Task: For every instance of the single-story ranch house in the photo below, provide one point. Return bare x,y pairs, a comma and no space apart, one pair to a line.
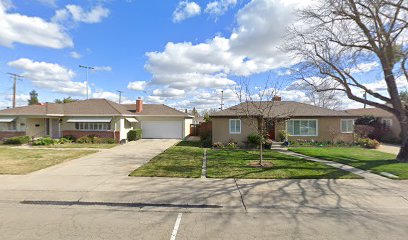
99,117
302,122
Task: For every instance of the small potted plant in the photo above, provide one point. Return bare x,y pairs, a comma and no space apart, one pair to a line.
268,143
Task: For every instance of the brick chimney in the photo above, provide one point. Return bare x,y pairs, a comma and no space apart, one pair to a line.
139,105
277,98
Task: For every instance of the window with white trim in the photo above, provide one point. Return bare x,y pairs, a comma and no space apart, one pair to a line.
386,122
347,125
92,126
235,126
302,127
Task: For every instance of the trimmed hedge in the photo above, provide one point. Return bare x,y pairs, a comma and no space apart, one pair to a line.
134,135
17,140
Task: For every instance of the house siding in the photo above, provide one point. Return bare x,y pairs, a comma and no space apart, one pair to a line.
220,130
328,130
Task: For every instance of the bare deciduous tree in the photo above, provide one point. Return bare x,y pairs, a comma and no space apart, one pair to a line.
326,99
257,103
333,38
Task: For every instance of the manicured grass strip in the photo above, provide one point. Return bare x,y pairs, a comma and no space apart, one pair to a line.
182,160
365,159
23,161
235,164
80,145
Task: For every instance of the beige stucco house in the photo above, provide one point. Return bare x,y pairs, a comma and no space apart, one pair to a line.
301,121
99,117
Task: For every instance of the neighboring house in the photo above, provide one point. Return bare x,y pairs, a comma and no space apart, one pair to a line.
387,119
99,117
302,122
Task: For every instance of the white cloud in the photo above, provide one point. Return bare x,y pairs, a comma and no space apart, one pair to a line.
137,85
154,99
49,76
186,9
103,68
78,14
364,67
6,100
250,49
18,28
168,92
219,7
75,55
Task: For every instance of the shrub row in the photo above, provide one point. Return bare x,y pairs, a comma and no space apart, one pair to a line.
17,140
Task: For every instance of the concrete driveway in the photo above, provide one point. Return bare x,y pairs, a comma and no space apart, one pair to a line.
118,161
389,148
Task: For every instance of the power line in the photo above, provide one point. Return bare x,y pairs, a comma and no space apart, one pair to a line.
15,78
87,85
120,95
222,100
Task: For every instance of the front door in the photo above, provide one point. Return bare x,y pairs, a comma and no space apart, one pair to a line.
55,128
270,127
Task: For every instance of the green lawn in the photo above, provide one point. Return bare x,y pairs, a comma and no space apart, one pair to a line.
361,158
23,161
80,145
182,160
235,164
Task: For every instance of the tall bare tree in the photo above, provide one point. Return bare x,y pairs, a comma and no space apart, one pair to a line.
334,37
256,105
327,99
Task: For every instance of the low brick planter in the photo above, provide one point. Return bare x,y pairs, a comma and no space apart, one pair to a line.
9,134
101,134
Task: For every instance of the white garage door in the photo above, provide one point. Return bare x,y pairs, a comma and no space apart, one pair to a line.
162,129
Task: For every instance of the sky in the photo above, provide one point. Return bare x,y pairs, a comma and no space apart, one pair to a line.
180,53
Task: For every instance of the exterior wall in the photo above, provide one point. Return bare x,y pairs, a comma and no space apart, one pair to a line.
220,130
125,127
395,127
187,123
9,134
20,125
102,134
35,127
328,129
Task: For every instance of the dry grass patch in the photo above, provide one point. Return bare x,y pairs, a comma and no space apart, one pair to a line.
23,161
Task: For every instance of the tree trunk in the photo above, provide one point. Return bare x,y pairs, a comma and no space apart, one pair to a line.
260,154
403,153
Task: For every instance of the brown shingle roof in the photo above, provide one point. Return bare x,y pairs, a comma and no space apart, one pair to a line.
155,110
92,107
280,109
376,112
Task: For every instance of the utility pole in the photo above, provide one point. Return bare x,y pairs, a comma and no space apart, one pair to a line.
87,85
120,95
222,100
15,78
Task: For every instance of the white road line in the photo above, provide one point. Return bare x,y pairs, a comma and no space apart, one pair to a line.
176,227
